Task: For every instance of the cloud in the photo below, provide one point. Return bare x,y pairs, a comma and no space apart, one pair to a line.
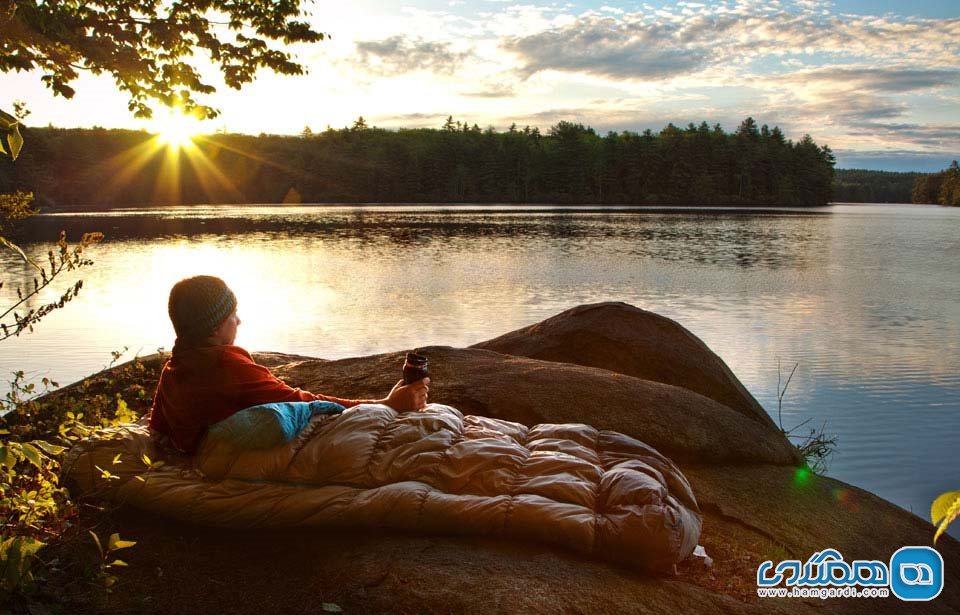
851,108
865,105
412,120
606,47
399,54
877,79
497,90
664,44
925,136
855,81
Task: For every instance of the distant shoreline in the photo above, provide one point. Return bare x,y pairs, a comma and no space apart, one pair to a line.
571,163
469,207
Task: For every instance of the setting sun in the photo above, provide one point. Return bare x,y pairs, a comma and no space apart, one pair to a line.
174,129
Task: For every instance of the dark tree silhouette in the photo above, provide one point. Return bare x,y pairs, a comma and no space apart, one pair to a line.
941,188
571,163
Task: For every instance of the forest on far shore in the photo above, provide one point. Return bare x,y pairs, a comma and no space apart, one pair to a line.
570,163
941,188
865,186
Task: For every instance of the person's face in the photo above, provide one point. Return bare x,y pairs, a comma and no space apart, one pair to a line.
226,333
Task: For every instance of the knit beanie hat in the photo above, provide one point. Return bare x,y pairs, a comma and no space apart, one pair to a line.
198,305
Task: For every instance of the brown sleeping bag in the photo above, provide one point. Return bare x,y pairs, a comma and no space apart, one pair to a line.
598,492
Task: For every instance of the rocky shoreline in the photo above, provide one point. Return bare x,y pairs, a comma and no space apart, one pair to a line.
610,365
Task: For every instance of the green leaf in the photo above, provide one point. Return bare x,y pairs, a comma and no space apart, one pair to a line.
118,562
940,506
124,544
5,563
14,142
146,460
97,540
18,553
12,246
105,474
30,546
50,449
7,121
115,543
32,455
947,508
330,607
116,459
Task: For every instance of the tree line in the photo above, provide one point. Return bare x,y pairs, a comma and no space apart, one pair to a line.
941,188
570,163
864,186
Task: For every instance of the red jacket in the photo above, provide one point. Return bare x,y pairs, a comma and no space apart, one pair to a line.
201,386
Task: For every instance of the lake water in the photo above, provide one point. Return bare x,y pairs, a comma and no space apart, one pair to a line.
866,298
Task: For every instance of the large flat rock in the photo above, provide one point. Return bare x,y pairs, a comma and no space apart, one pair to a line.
608,365
778,513
297,572
681,424
751,513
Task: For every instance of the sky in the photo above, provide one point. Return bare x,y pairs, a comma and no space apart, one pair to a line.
877,81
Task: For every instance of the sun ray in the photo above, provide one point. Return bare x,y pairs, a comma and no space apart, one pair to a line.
206,170
167,185
258,159
126,165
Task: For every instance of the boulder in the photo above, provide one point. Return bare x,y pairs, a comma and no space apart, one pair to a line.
681,424
634,342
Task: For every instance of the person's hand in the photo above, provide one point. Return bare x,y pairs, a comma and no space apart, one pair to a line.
410,397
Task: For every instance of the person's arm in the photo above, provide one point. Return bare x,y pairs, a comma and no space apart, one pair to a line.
250,383
254,384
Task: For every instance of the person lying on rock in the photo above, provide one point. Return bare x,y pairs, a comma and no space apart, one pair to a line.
208,378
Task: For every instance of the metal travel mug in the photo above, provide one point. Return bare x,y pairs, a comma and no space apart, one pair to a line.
416,367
